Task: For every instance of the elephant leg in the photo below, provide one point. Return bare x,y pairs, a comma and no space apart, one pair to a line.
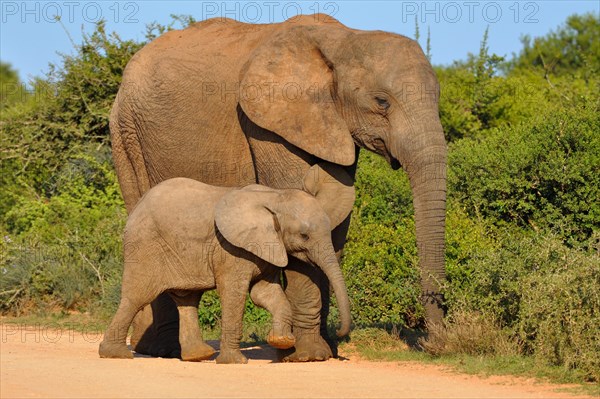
232,292
303,293
114,343
307,290
156,329
128,158
193,347
268,294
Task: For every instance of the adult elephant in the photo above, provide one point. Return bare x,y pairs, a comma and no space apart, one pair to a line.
231,104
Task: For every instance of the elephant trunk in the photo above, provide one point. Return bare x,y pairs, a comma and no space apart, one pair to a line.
331,267
424,157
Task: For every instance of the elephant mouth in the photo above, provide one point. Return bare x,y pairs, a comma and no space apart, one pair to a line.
393,161
381,148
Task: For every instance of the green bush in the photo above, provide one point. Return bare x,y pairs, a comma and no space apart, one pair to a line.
471,95
559,318
380,260
61,211
571,49
542,293
68,109
11,88
544,174
209,312
64,252
379,265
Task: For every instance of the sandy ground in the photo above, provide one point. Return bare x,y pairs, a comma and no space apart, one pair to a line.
41,362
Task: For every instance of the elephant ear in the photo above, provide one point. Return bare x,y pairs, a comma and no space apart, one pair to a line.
334,189
244,219
286,87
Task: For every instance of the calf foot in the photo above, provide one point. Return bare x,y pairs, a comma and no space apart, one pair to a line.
231,357
309,347
113,350
196,351
281,341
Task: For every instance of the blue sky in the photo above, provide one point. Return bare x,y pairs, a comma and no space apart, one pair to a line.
30,38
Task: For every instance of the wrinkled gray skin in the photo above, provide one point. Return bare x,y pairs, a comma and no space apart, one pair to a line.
185,237
229,103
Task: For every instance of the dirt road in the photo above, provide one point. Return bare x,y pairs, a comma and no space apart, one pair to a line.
41,362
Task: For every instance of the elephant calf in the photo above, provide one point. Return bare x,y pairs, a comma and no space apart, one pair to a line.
185,237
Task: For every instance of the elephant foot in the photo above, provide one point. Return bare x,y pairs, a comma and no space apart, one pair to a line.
163,343
112,350
281,341
157,348
156,329
309,347
196,352
231,357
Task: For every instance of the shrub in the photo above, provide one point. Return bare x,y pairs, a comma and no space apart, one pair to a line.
209,313
11,88
571,49
544,174
469,333
541,292
470,94
64,252
381,274
382,195
559,315
70,107
380,260
466,239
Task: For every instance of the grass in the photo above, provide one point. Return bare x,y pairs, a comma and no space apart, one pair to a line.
376,344
78,322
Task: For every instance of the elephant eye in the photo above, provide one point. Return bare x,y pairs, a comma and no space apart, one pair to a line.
382,102
304,236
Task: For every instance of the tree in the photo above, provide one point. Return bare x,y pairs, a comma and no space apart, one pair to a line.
11,88
568,49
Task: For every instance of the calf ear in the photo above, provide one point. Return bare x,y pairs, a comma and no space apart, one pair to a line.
243,218
287,87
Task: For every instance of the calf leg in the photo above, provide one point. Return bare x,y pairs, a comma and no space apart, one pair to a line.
114,343
232,292
268,294
304,295
193,347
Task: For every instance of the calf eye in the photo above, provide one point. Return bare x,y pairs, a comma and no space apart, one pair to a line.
304,236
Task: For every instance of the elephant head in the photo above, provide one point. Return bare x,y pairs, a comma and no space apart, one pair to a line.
332,88
273,223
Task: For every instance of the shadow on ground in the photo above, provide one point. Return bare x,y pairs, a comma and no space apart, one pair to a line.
259,352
